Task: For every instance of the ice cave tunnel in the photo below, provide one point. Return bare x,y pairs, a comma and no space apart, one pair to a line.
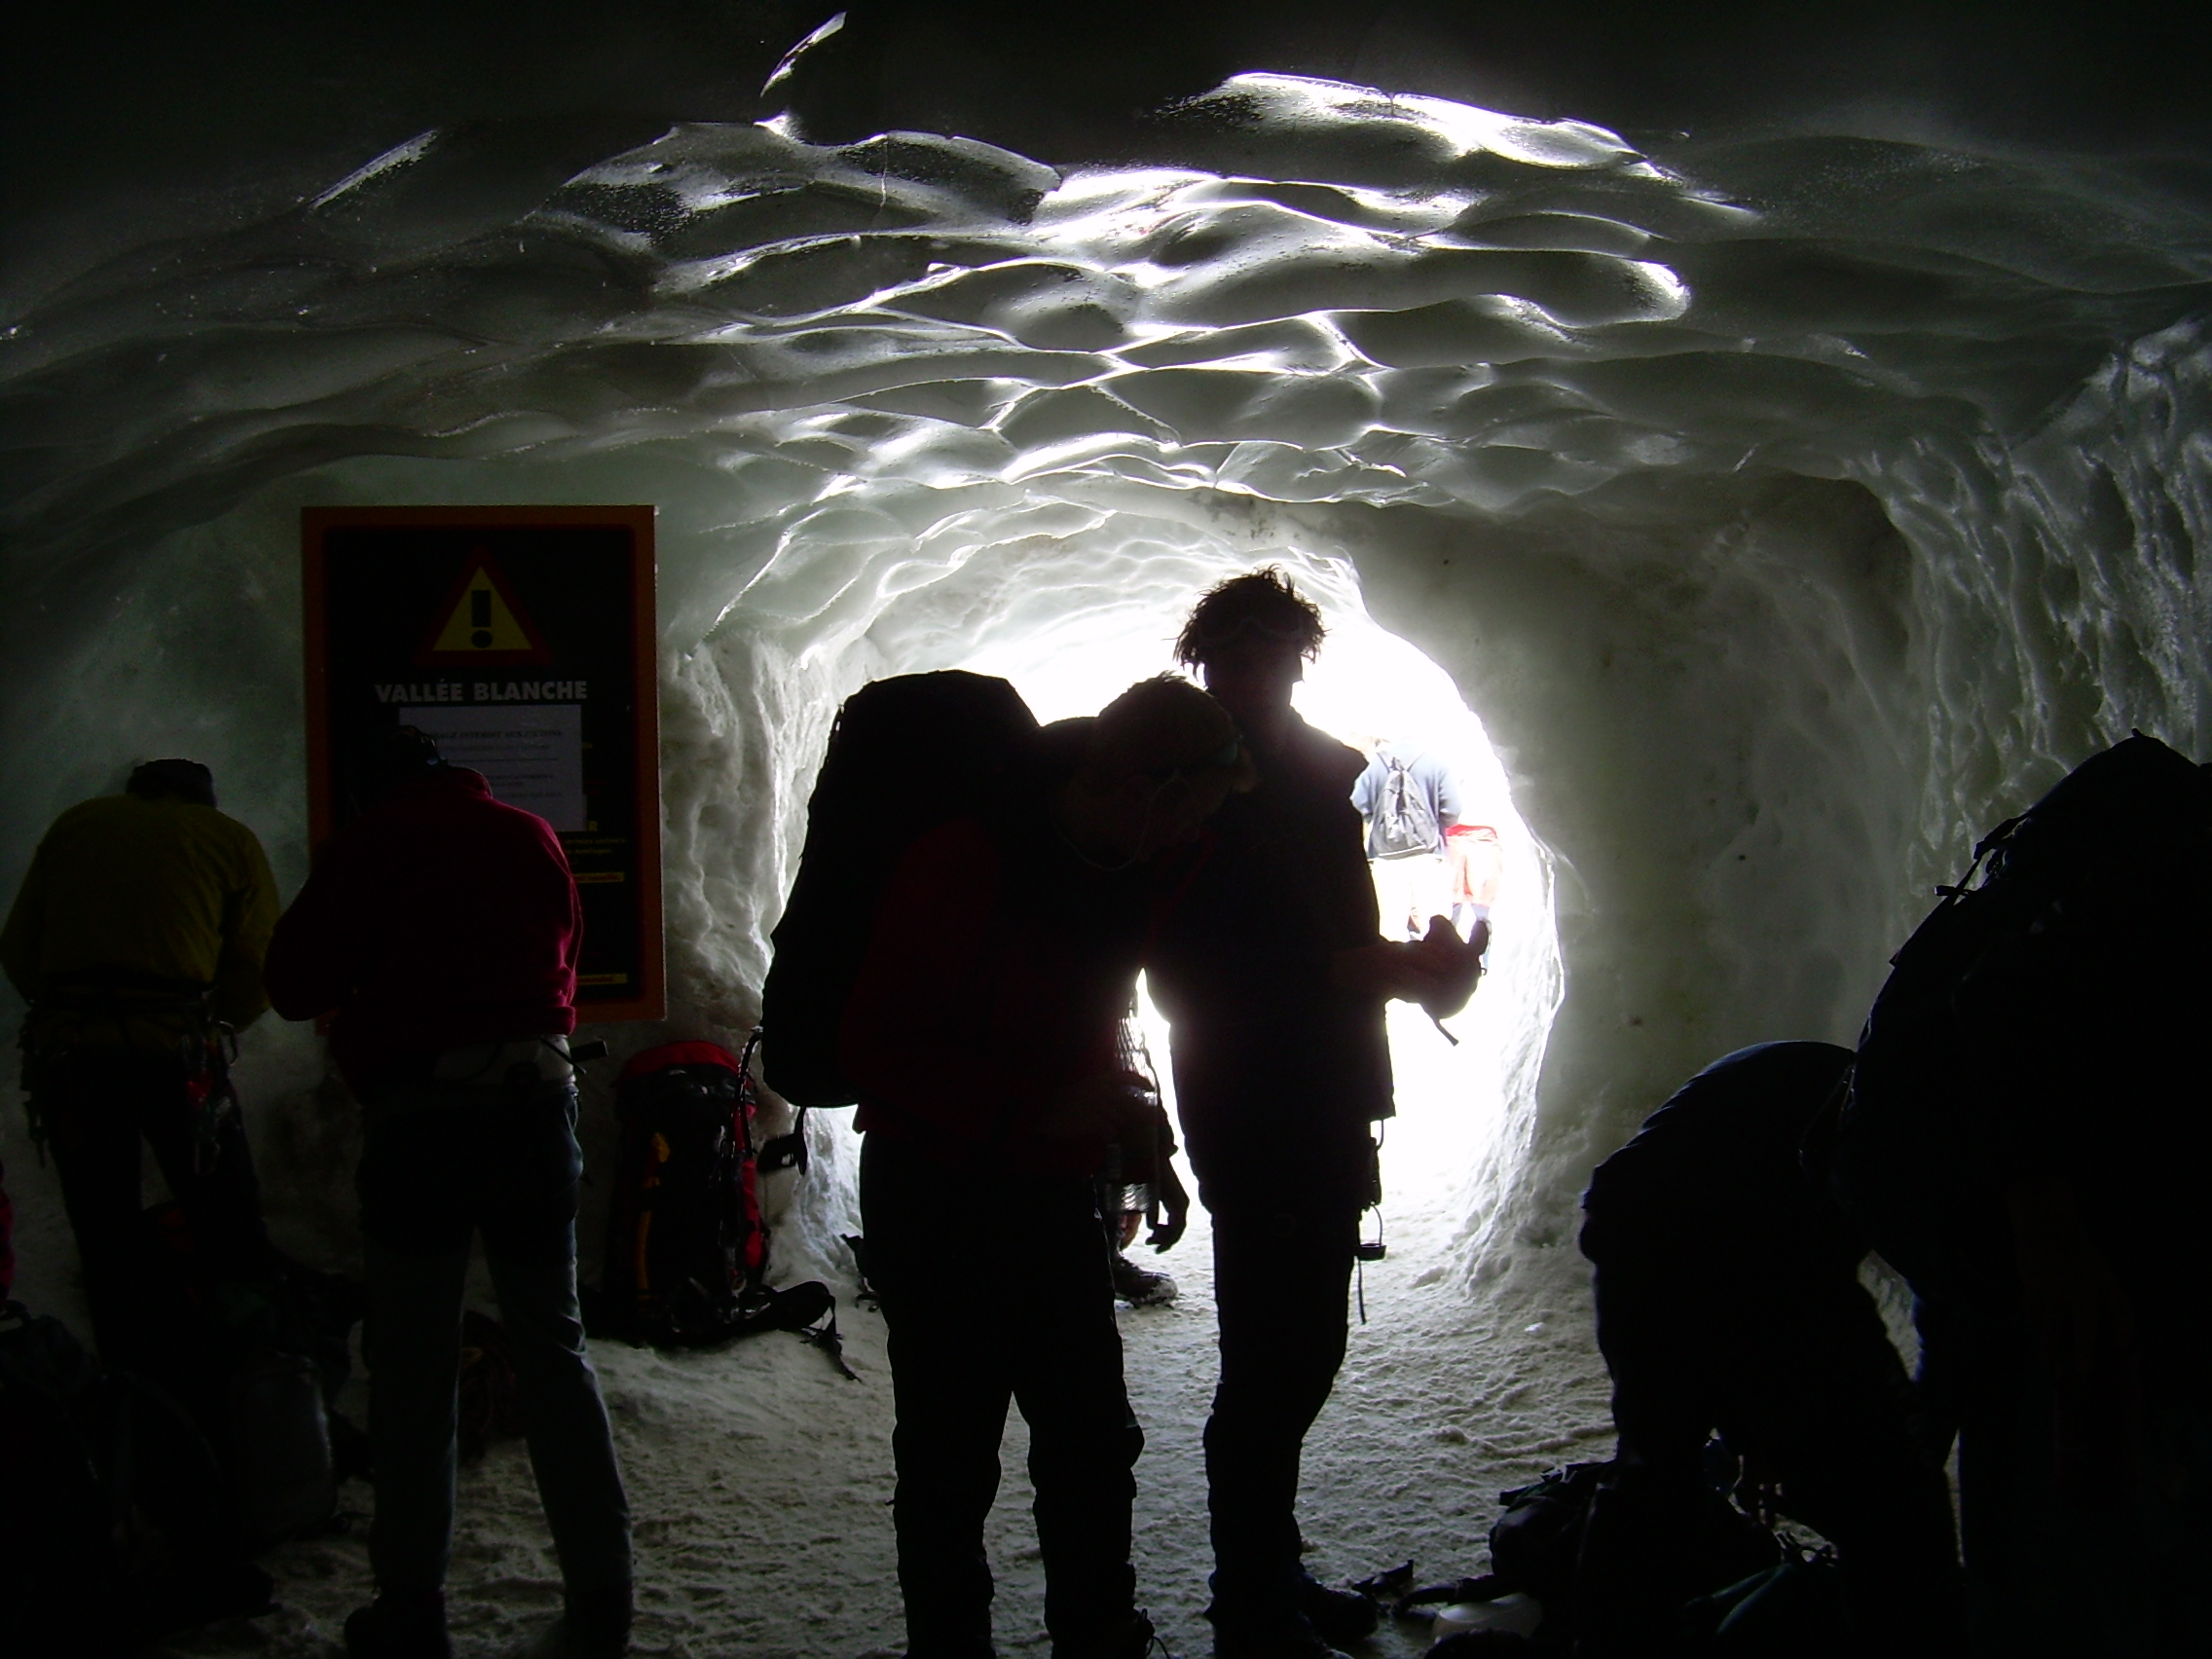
1784,506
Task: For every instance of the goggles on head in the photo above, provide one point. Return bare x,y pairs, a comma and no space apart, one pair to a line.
1220,633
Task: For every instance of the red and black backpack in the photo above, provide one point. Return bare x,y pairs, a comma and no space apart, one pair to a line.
687,1245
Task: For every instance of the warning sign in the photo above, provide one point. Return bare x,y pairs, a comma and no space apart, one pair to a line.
522,639
481,623
532,756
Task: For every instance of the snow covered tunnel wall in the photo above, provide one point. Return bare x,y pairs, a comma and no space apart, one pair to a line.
1788,510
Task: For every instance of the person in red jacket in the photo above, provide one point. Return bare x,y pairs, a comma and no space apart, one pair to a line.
980,1036
439,933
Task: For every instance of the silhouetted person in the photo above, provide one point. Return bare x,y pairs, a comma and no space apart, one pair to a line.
2034,1165
1409,800
1476,872
2083,1384
1270,967
981,1036
1728,1299
440,932
137,939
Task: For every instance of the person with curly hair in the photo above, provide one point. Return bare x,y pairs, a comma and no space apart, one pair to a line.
1273,971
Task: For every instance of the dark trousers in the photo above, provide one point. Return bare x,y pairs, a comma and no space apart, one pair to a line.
1800,1379
97,1105
440,1166
1044,1339
2107,1470
1282,1279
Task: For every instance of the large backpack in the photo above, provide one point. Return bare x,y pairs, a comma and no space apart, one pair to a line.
258,1363
1405,821
906,754
2120,838
687,1246
1535,1550
111,1509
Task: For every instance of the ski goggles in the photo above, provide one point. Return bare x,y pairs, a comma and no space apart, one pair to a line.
1220,633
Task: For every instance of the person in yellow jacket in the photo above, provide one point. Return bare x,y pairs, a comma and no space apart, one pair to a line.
137,939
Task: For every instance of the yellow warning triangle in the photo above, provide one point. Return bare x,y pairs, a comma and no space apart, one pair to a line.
482,620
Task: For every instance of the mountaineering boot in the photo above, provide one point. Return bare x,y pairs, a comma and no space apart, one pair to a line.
1282,1635
594,1625
1132,1641
399,1624
1140,1287
1341,1617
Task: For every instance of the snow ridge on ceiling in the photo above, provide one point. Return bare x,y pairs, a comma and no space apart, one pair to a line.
1347,296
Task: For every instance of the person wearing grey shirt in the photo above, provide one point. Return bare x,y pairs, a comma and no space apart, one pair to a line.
1409,798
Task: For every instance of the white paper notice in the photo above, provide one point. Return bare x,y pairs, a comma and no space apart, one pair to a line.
531,754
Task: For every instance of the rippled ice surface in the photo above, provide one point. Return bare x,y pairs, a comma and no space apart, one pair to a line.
891,393
1347,296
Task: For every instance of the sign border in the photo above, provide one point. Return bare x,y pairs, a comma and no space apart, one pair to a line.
316,523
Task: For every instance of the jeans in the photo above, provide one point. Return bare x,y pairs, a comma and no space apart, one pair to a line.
1281,1282
2107,1468
96,1104
1042,1337
440,1165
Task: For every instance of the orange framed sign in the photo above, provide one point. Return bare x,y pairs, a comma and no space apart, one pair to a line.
523,640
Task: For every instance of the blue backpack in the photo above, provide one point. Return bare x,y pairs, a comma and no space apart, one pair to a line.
1405,820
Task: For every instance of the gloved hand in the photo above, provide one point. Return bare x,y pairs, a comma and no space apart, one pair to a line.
1174,1206
1456,966
1438,971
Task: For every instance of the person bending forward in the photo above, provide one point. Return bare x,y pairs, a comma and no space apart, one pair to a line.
137,940
981,1036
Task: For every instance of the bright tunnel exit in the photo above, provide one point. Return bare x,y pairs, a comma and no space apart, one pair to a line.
1459,1102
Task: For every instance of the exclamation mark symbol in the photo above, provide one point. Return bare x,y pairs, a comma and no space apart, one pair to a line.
480,617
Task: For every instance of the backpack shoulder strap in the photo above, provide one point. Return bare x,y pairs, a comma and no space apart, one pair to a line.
786,1151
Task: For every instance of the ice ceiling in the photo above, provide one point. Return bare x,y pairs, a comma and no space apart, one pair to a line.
1787,509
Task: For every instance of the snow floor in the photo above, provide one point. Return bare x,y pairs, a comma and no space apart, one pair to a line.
761,1479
